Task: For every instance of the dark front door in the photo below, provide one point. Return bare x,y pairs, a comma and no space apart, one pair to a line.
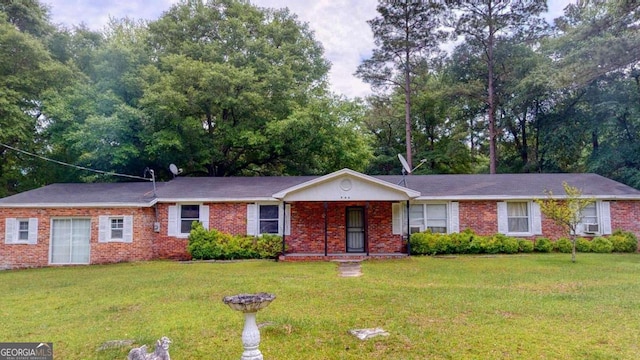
355,229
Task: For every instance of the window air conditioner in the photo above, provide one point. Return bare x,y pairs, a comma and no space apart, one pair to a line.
591,228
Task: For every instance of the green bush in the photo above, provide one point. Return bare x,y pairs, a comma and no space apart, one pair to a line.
509,244
215,245
525,246
543,245
624,241
428,243
461,242
601,245
583,245
564,245
490,244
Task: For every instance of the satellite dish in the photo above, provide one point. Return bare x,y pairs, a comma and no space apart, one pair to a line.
405,164
174,169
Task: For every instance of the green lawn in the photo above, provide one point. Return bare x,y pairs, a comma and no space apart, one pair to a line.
504,307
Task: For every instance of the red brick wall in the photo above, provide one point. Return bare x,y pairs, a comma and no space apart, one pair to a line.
23,255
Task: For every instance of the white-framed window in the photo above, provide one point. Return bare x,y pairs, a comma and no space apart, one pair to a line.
595,219
21,231
188,214
428,217
181,216
519,218
268,218
115,228
437,217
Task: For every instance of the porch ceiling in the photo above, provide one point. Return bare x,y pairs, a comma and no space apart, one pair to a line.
346,185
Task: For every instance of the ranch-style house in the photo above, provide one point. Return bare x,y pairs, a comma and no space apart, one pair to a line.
345,214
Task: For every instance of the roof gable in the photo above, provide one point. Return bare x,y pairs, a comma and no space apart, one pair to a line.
346,185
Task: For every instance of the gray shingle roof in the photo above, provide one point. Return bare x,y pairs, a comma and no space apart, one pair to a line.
124,194
499,186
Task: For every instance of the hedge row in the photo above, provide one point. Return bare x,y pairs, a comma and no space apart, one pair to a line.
215,245
468,242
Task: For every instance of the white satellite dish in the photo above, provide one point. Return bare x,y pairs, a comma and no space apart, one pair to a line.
174,169
405,164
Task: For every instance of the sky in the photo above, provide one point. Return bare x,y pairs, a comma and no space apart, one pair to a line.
340,25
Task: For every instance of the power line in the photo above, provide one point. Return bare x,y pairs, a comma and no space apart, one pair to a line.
75,166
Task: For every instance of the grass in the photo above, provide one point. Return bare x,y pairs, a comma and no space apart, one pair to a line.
466,307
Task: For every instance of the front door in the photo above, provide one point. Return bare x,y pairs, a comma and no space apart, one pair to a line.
355,229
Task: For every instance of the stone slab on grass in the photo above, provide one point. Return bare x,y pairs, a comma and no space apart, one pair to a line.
364,334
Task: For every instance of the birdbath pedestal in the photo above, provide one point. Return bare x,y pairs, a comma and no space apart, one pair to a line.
250,304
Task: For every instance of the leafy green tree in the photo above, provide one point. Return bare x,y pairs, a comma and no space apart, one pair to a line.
225,70
566,211
484,23
406,33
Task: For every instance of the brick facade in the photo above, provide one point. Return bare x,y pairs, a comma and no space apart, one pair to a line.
307,234
37,255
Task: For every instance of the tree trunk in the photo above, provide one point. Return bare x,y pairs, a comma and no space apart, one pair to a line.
491,101
407,109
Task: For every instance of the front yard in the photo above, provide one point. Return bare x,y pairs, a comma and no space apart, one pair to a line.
537,306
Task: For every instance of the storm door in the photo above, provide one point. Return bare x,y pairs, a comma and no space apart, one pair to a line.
355,229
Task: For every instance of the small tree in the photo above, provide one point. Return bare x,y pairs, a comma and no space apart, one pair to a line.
566,211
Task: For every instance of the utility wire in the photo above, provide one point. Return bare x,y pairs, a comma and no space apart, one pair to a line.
76,166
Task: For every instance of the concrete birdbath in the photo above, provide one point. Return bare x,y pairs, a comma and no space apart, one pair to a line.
250,304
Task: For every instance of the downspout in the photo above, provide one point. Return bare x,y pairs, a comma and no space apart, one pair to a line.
326,226
408,232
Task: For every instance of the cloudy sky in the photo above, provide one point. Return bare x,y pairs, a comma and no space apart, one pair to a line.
340,25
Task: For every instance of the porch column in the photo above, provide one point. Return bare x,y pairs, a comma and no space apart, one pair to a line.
408,232
366,227
326,226
284,226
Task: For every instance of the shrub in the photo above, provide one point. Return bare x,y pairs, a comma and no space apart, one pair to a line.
268,246
583,245
428,243
509,244
461,242
490,244
543,245
624,241
215,245
601,245
525,246
564,245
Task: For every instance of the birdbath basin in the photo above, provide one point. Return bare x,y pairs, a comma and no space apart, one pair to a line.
250,304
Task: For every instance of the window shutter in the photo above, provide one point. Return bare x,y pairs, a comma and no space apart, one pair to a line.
396,216
605,217
454,217
503,221
127,231
204,216
287,219
172,225
252,213
103,222
9,230
536,218
33,231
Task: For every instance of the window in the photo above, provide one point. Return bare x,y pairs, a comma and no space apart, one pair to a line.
590,214
117,228
188,214
23,230
518,217
269,219
70,241
428,217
